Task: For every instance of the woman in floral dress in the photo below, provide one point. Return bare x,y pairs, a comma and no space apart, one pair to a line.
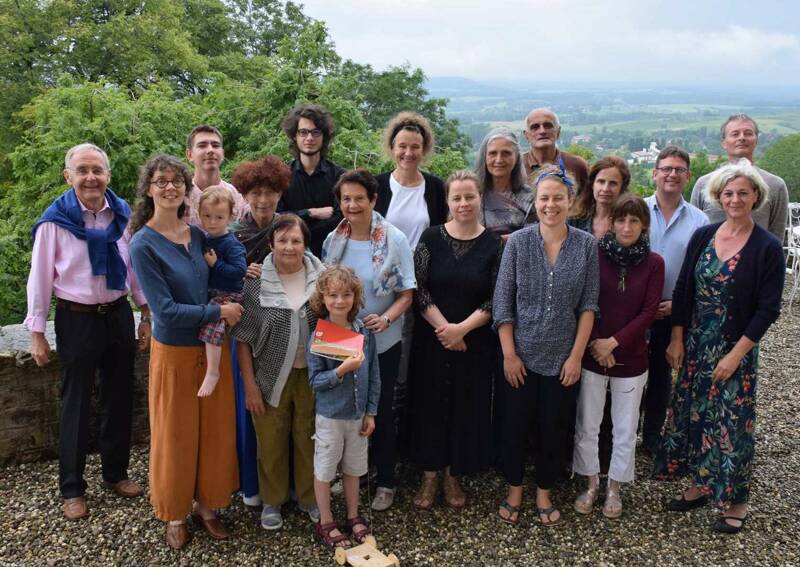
728,294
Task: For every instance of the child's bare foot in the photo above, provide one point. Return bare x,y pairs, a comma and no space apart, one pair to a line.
209,383
330,535
359,528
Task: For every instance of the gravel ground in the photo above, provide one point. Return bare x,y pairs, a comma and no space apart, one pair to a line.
124,532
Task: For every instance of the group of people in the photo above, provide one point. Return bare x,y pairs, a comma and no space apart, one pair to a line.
506,301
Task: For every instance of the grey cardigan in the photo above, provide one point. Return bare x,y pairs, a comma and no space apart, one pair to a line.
272,328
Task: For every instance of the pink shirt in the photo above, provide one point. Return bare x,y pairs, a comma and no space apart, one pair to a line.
193,201
60,264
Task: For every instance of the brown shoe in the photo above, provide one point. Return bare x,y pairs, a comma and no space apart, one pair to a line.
177,535
213,526
75,508
125,488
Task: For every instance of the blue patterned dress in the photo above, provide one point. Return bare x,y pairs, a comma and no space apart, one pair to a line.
709,427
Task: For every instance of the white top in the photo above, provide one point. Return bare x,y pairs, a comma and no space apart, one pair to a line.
295,287
408,210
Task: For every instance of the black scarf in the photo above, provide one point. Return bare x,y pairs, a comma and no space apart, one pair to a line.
625,256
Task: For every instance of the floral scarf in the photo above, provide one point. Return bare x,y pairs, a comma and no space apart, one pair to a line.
625,256
388,276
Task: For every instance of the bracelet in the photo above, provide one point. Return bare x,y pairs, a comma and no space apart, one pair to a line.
145,319
386,318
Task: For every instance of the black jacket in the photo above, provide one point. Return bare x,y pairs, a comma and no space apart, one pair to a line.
434,197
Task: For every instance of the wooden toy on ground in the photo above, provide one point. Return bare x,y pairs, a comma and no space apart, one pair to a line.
365,555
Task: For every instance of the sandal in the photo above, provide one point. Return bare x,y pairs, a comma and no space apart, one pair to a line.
323,532
585,501
359,535
510,520
612,507
721,524
547,512
453,495
427,492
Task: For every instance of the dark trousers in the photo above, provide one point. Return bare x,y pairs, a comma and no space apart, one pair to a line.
384,439
659,383
542,403
87,343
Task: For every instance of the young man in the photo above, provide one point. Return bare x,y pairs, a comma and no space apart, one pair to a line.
309,128
672,223
204,149
80,254
739,135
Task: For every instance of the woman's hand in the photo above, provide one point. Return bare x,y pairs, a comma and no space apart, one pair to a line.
460,346
231,312
351,364
144,332
571,371
726,366
607,361
601,348
675,352
253,400
514,370
367,426
375,323
450,334
253,271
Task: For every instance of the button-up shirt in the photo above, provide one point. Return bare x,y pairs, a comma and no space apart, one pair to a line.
669,239
60,264
192,214
543,301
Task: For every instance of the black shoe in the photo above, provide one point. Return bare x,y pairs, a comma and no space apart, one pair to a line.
723,527
651,445
681,504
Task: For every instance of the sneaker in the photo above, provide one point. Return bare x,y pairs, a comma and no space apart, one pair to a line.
253,501
384,498
271,518
311,510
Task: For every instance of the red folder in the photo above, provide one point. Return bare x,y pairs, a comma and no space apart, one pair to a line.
333,341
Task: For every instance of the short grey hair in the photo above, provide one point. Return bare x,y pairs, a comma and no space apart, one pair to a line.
547,109
737,118
82,148
727,173
518,178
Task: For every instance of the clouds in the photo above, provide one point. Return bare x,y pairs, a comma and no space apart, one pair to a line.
578,40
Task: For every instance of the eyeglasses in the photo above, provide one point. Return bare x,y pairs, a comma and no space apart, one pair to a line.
305,133
544,126
666,170
162,182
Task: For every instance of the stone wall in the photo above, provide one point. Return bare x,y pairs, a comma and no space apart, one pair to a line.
30,400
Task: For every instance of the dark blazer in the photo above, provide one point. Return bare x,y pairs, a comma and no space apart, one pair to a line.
756,287
434,197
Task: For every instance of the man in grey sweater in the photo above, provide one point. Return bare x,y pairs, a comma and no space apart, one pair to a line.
739,135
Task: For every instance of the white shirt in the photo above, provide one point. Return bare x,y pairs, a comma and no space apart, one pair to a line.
408,210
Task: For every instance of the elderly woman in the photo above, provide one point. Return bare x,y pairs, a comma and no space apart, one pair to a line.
609,177
631,279
192,439
544,305
272,357
380,256
261,183
507,198
454,346
727,295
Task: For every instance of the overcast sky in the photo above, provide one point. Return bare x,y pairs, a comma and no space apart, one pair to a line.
681,41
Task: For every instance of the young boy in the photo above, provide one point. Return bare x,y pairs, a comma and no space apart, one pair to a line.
347,395
226,257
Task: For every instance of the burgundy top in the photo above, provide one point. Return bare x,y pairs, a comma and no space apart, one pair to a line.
626,315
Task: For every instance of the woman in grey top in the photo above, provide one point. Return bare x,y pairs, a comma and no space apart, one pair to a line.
544,307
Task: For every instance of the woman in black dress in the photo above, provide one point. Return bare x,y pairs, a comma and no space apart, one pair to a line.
454,347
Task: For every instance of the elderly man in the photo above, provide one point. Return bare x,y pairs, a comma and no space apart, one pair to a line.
739,135
309,128
542,130
672,223
80,254
204,149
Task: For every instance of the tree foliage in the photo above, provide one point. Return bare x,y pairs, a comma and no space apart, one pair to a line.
782,158
133,76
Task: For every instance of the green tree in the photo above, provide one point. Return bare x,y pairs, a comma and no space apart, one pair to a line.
582,151
782,159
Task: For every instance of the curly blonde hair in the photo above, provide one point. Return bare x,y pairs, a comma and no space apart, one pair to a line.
343,276
413,122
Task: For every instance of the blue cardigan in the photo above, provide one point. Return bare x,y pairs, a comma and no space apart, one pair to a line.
756,287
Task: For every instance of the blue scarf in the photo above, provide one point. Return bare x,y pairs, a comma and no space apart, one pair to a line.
104,254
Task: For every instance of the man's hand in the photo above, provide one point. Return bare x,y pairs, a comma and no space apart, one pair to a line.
664,310
40,349
321,213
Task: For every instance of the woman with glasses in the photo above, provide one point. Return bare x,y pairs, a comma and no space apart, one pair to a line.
411,200
507,198
193,464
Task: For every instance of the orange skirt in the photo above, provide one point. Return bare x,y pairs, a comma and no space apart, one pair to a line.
192,439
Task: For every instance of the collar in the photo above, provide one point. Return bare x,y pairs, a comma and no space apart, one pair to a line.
85,209
534,163
323,167
655,207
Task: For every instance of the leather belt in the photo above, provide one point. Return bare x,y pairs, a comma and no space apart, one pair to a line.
98,308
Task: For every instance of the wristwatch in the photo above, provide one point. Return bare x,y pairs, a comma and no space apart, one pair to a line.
144,319
386,318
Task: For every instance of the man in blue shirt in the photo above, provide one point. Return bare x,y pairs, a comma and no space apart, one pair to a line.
672,223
